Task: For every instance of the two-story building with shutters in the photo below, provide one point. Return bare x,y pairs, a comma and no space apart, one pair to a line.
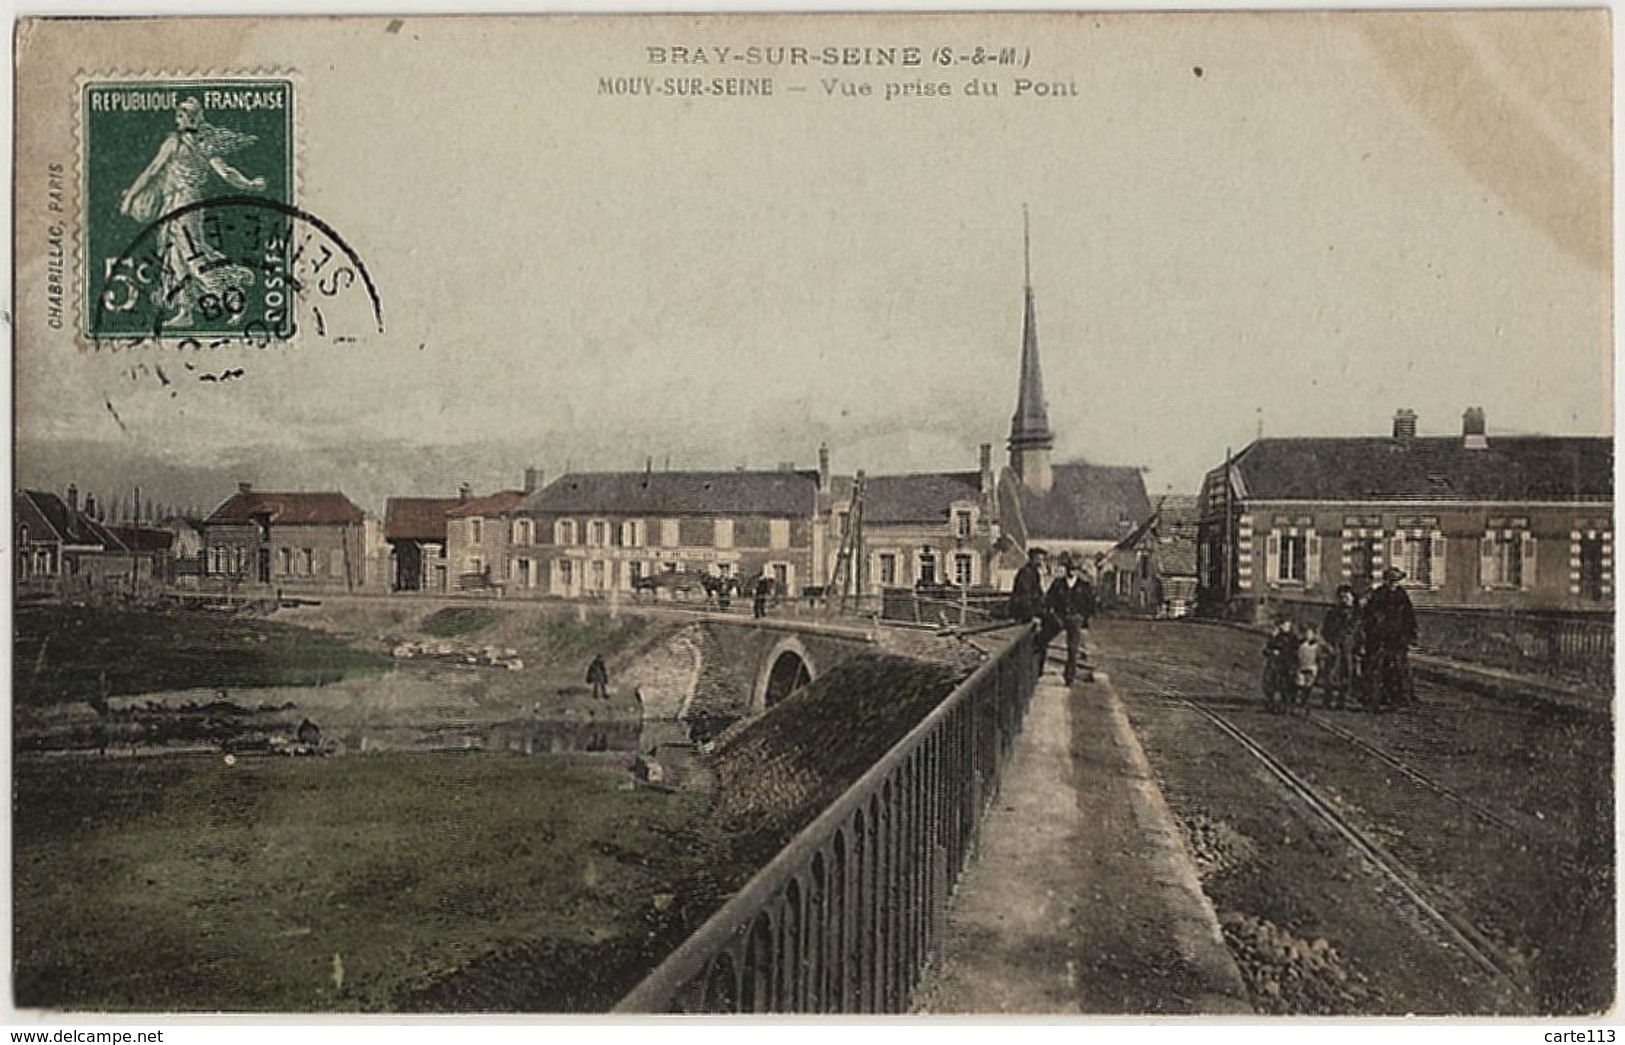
1474,521
929,529
293,540
594,533
482,534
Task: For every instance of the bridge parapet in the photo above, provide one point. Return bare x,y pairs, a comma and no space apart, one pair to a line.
847,915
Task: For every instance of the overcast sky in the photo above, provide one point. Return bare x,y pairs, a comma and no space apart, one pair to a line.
1299,222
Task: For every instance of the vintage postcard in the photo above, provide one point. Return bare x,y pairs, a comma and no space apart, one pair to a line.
1068,514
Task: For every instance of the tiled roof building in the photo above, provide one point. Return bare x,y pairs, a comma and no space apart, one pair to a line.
1475,521
292,540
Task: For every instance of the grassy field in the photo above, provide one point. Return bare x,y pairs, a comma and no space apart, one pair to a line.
358,884
75,652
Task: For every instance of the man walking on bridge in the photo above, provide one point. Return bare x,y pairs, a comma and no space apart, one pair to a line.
1072,601
1027,604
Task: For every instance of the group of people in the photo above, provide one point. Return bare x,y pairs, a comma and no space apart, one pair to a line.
1065,606
1359,655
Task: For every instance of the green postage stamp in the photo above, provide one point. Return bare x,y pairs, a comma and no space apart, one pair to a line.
187,185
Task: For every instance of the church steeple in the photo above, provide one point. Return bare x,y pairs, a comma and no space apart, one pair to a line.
1030,437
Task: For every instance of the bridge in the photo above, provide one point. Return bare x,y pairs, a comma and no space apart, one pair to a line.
1034,848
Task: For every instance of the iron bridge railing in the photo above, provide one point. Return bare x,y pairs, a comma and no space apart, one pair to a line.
847,917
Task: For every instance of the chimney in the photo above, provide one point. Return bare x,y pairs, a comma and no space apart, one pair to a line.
823,467
533,479
73,498
1472,429
986,464
245,487
90,505
1404,424
464,492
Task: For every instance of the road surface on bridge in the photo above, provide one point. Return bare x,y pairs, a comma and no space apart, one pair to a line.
1453,857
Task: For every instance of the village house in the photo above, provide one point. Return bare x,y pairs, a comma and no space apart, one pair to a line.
294,541
415,529
593,533
480,531
1476,522
1153,570
63,547
929,529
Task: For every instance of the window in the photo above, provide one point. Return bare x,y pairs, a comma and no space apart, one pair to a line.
307,562
564,531
963,569
598,575
1418,548
523,531
634,573
781,577
1591,560
963,521
1364,560
525,579
284,561
724,533
632,533
843,523
888,569
566,575
476,531
778,533
670,533
1292,561
1125,582
598,533
476,564
928,566
1506,554
1292,553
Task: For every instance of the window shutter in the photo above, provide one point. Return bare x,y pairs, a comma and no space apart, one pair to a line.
1311,568
1438,543
1486,562
1528,578
1272,558
1396,551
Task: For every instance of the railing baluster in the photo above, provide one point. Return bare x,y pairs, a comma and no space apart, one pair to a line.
848,916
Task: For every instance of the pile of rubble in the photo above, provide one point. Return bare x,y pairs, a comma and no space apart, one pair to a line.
1215,845
1289,975
459,653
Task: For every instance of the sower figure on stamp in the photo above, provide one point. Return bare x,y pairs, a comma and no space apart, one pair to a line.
1390,630
1027,604
598,678
177,177
1072,602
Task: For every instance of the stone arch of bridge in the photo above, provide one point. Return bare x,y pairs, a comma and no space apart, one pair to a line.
786,668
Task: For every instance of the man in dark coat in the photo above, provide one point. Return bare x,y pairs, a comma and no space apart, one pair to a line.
598,678
1027,604
1071,601
1389,623
1342,632
763,591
